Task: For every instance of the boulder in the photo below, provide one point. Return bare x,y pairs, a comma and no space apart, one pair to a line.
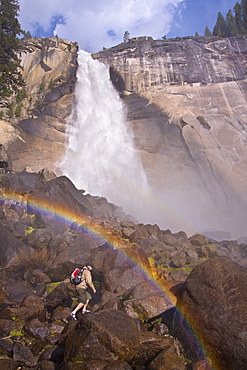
61,195
46,365
36,329
54,353
6,348
12,250
23,354
198,239
213,302
17,291
60,296
125,268
31,307
43,176
87,365
10,364
106,335
167,360
146,301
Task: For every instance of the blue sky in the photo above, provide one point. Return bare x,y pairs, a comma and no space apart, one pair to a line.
95,24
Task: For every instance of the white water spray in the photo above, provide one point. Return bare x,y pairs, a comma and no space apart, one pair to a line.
100,155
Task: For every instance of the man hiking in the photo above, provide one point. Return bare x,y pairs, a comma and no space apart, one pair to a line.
81,289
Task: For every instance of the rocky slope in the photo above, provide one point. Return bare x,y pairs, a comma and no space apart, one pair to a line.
48,227
186,102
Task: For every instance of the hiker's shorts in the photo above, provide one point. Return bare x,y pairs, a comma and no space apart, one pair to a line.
83,295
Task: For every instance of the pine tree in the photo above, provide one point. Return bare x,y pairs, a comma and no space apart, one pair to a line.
10,68
231,24
207,31
196,34
220,28
126,36
244,14
238,18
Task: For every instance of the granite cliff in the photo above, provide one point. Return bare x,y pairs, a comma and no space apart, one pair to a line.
35,139
186,104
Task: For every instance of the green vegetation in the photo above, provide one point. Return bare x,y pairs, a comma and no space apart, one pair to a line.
18,110
52,84
126,36
234,24
207,31
10,47
204,123
29,230
42,85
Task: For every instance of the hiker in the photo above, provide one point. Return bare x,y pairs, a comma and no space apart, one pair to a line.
83,295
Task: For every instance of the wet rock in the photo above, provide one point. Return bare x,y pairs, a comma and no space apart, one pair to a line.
23,354
150,346
12,250
46,365
6,326
202,365
160,329
87,365
146,301
6,348
118,365
106,335
178,275
61,313
60,296
37,329
38,237
167,361
43,176
31,307
78,251
213,301
121,270
10,364
17,291
53,353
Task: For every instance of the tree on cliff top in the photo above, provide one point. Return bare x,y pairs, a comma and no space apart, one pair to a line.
10,67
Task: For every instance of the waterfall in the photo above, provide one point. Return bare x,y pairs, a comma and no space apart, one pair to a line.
100,155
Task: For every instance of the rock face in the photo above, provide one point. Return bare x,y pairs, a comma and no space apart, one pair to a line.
186,102
186,105
49,73
212,301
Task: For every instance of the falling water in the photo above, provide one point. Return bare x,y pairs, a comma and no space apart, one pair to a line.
100,154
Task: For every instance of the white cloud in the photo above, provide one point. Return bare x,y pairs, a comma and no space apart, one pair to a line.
89,21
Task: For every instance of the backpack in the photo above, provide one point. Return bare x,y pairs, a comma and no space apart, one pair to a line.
75,277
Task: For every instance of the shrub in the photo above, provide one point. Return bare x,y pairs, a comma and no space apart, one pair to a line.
204,123
18,110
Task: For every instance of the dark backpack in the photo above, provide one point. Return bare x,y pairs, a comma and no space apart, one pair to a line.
75,277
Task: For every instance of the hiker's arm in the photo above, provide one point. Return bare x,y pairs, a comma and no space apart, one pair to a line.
89,281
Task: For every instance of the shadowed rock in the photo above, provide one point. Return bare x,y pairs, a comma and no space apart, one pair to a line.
108,334
213,301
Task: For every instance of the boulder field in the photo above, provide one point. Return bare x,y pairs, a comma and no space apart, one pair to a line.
164,300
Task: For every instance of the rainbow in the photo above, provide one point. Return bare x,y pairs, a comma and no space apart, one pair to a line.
87,224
